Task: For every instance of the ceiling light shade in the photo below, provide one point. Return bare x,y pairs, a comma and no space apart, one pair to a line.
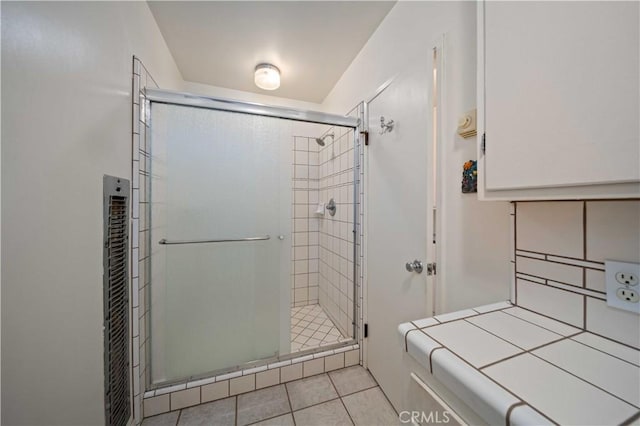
267,77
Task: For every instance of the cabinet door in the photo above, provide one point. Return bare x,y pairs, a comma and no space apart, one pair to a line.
561,94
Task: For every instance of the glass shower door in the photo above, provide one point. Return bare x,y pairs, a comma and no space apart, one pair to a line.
218,175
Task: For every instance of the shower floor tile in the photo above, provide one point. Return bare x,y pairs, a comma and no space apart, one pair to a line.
312,328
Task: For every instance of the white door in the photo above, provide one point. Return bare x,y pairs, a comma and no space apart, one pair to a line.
399,193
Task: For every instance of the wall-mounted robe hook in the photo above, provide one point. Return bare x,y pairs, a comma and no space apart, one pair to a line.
385,127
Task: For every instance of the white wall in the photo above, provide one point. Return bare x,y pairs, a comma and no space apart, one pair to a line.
66,121
474,241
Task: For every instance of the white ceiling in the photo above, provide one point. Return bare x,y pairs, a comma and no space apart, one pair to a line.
312,42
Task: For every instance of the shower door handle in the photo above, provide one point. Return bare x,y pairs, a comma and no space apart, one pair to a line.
166,242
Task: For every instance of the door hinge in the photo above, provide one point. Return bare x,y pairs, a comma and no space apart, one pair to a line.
483,144
366,137
366,330
431,268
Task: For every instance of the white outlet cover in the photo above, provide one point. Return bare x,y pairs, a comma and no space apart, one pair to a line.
611,268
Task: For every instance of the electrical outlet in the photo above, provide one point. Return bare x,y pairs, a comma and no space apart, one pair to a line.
627,278
623,291
627,295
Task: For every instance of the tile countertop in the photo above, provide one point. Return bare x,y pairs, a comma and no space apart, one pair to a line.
513,366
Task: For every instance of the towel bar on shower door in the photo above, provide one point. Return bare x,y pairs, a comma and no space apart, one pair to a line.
165,242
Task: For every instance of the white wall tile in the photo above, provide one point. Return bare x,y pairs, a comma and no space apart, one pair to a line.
334,362
300,196
613,231
302,143
215,391
301,157
301,172
595,280
291,372
301,280
560,304
550,270
313,294
301,294
301,238
313,367
550,227
185,398
156,405
268,378
616,324
301,266
242,384
300,211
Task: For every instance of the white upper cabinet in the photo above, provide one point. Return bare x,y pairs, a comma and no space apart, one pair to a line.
558,86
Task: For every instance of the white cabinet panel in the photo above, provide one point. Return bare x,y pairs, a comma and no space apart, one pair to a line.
561,96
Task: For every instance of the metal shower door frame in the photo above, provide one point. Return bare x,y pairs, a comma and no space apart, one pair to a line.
231,105
169,97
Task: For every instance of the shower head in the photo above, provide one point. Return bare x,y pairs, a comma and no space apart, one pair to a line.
320,141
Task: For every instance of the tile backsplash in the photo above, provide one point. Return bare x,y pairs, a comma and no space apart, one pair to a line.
560,250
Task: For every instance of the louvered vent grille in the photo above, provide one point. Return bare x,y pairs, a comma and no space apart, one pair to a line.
116,301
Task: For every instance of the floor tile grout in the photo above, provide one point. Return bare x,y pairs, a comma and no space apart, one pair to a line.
341,401
290,405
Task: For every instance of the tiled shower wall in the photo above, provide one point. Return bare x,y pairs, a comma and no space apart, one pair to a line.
140,228
336,232
304,279
558,257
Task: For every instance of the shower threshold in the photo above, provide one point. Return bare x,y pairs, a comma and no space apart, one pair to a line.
312,328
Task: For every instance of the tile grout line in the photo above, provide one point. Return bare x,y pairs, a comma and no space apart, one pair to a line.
538,325
578,287
509,391
586,381
544,315
547,284
480,369
340,398
603,351
289,401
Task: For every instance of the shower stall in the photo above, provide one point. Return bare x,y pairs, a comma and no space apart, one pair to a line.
247,265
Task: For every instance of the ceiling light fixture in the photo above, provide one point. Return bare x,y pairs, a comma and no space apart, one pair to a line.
267,76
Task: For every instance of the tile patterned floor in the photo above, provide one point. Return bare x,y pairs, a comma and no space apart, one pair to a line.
349,396
312,328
